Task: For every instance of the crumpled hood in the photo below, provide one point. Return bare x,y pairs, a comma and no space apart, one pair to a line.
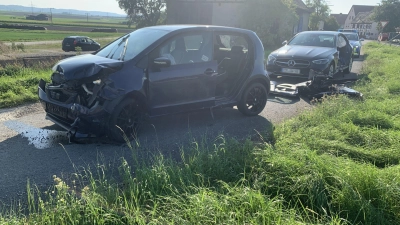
308,52
85,66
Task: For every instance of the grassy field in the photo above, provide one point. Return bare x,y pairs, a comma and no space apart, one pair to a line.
337,164
19,85
9,35
111,22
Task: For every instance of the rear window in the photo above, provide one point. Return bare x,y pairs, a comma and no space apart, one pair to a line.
69,40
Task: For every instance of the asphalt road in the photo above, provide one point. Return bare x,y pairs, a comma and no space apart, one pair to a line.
34,149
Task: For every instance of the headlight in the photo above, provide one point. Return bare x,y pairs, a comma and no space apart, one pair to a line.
321,61
271,59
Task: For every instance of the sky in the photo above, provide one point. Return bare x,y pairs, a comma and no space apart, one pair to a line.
337,6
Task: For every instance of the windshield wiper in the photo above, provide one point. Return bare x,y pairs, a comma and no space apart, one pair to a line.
124,51
113,51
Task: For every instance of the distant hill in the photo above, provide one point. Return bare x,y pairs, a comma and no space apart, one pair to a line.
28,10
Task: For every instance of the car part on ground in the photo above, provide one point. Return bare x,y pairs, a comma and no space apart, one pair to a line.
311,53
318,87
156,71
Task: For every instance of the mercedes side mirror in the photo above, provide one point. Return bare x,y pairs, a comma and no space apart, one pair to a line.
284,43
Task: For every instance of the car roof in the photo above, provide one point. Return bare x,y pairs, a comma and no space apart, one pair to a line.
321,32
77,37
348,33
194,26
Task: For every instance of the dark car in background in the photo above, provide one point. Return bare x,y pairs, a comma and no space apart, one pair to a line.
355,41
70,43
312,53
156,71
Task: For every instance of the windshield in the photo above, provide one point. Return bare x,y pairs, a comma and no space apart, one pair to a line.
314,39
352,37
130,45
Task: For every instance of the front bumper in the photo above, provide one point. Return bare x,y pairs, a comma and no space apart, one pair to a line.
306,73
71,116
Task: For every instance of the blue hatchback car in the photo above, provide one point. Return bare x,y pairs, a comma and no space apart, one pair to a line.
156,71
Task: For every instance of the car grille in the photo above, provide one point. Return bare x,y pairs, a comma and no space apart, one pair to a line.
298,63
58,95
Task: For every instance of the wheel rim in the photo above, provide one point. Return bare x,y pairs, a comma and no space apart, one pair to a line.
256,99
127,119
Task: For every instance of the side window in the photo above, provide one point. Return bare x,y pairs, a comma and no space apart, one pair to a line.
341,42
232,46
231,40
188,48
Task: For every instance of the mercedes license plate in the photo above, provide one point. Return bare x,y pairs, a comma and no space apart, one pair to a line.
287,70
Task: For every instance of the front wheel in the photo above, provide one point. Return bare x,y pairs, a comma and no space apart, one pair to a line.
123,123
253,100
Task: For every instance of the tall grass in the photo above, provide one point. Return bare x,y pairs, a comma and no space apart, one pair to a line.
337,164
19,84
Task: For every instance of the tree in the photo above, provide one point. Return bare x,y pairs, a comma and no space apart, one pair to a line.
272,20
331,24
388,10
321,12
142,13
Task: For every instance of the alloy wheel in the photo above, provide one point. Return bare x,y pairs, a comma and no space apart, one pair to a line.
256,99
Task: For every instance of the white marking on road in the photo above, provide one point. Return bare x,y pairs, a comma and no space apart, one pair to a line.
40,138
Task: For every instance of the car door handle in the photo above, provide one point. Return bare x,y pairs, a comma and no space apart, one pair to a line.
210,72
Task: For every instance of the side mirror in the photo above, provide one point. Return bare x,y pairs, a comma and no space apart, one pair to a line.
284,43
162,62
362,39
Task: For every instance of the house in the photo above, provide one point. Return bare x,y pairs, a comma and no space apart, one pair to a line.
221,12
304,16
360,18
365,25
340,18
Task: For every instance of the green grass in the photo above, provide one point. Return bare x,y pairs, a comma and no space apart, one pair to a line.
18,85
336,164
10,35
80,21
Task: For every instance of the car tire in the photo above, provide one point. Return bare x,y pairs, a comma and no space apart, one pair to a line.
348,69
254,99
124,120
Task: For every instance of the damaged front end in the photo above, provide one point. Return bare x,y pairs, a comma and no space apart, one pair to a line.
80,96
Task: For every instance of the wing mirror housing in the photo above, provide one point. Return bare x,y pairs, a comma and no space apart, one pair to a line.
362,39
162,62
285,42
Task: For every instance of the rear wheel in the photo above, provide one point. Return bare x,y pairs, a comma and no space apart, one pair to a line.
124,121
253,100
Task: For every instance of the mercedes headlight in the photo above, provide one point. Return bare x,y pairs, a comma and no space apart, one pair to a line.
271,59
321,61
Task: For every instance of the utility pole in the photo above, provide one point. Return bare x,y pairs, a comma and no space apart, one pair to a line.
32,7
51,16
